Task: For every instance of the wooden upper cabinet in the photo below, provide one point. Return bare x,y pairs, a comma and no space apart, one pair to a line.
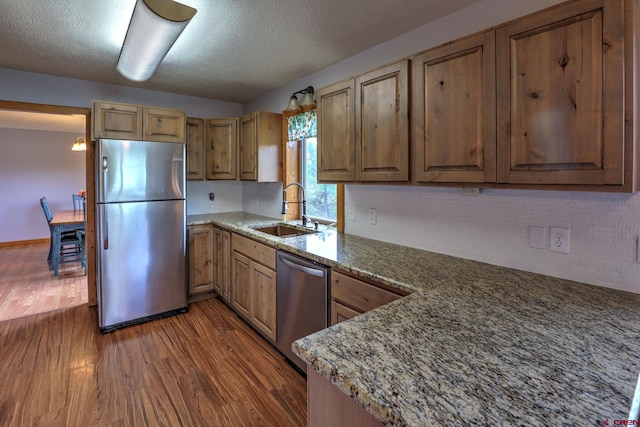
382,124
561,96
336,133
195,148
260,142
135,122
161,124
454,110
116,121
221,148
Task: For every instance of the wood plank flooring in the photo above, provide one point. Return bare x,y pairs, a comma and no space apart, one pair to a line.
27,286
206,367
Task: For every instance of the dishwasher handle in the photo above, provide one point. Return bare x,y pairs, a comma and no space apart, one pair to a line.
308,270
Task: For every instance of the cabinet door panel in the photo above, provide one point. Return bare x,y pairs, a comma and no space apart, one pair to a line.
264,300
195,148
454,112
248,148
336,144
241,285
382,124
560,87
164,125
117,121
226,266
201,254
217,260
222,142
340,313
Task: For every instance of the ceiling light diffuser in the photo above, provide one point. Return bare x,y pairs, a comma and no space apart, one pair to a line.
154,27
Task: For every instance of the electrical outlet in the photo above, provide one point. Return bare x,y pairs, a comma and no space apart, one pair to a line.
349,213
559,240
212,197
257,200
373,216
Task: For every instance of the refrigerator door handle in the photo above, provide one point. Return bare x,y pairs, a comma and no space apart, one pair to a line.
178,174
105,168
104,225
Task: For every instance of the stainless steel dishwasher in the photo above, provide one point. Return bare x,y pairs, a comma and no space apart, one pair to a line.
301,302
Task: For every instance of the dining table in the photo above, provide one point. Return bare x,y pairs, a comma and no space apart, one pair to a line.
63,221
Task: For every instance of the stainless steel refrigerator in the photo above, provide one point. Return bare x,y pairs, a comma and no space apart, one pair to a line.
140,231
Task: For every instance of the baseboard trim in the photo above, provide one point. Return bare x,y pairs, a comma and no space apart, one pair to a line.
24,242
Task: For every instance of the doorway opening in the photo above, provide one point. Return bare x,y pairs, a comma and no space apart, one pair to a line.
36,169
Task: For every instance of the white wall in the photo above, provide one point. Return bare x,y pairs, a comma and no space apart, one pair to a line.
35,164
227,196
494,226
45,89
263,198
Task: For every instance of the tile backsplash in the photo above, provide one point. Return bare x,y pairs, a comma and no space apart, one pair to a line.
493,227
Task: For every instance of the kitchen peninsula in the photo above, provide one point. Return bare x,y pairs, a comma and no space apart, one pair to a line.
473,344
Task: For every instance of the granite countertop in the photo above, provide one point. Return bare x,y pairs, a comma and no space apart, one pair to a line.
474,344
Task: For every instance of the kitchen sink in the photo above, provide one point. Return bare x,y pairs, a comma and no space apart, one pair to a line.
284,230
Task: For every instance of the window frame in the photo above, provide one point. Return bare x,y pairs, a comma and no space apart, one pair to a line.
292,172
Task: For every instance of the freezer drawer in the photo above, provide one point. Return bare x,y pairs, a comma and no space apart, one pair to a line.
141,260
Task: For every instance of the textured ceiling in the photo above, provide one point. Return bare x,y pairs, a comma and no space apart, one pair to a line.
233,50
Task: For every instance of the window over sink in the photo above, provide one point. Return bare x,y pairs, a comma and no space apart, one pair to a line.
301,165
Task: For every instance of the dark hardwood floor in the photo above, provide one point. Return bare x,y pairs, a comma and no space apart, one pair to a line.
202,368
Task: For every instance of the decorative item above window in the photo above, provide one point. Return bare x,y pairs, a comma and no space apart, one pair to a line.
302,126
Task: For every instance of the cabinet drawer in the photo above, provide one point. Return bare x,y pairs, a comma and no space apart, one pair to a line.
264,254
357,294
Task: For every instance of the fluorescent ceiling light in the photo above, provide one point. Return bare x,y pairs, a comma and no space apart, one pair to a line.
155,25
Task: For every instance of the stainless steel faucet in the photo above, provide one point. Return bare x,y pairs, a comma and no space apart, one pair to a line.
304,201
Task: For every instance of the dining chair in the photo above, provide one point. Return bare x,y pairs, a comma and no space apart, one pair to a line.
78,202
69,240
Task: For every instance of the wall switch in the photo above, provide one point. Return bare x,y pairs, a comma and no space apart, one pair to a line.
212,197
349,213
536,237
373,216
559,240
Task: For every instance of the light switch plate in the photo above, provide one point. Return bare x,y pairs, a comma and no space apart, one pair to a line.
536,236
349,213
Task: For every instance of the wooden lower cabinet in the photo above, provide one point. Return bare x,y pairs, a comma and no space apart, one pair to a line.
222,263
201,254
351,296
340,313
241,284
263,315
253,284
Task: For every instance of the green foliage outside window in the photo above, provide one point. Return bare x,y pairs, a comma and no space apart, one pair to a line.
321,198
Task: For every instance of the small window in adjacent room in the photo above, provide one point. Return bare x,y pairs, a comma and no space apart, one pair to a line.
321,198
